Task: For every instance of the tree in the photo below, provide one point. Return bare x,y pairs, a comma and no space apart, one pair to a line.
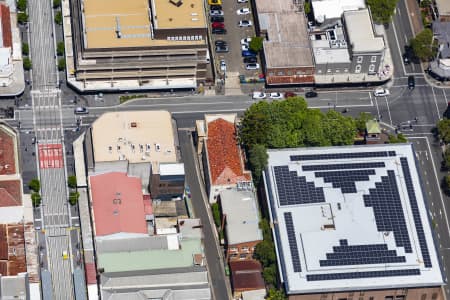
270,275
422,44
265,228
265,253
73,197
382,10
58,18
34,185
446,184
56,3
275,294
61,64
256,44
21,5
22,18
395,139
339,130
361,121
216,214
443,128
25,49
60,48
258,160
307,7
72,181
36,199
27,65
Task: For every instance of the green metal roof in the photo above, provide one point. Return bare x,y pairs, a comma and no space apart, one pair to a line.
151,259
373,126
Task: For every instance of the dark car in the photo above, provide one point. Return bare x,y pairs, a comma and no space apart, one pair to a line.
219,31
217,19
248,53
220,43
310,94
411,82
215,7
222,49
250,60
408,55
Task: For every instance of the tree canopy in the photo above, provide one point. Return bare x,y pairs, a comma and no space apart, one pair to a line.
443,128
256,44
422,44
290,123
382,10
34,185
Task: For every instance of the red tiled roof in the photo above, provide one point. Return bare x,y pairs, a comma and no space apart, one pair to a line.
246,275
12,248
91,273
6,25
117,203
10,193
148,207
7,161
224,156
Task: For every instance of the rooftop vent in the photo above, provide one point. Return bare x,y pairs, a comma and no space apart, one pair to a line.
177,3
133,124
118,32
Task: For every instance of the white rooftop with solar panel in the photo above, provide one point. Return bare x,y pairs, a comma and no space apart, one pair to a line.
349,218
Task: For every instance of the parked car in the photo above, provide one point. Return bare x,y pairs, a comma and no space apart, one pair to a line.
243,11
248,53
259,95
250,60
245,23
223,65
290,94
310,94
244,47
81,111
222,49
217,19
220,43
215,2
219,31
252,66
380,92
411,82
216,12
217,25
242,1
246,41
215,7
276,96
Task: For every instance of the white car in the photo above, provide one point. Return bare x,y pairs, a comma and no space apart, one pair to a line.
380,92
216,12
259,95
246,41
276,96
243,11
244,47
242,1
245,23
223,65
252,66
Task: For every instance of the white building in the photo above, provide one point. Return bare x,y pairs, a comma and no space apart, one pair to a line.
332,9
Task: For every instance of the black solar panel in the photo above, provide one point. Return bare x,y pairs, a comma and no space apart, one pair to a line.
345,179
387,207
360,255
355,275
415,212
369,165
342,155
293,189
292,242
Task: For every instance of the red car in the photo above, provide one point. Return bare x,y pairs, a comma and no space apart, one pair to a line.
218,25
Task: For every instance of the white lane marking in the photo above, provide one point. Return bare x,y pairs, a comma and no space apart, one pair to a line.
389,111
435,102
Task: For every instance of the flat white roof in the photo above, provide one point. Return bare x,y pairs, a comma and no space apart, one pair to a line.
360,31
350,218
171,169
330,9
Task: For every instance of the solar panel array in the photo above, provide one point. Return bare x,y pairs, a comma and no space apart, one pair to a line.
387,207
345,179
342,155
293,189
369,274
360,255
327,167
292,242
415,212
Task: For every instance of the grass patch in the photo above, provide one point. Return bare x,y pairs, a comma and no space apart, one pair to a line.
125,98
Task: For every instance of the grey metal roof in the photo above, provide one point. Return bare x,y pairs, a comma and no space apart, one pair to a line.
47,287
441,31
132,244
360,32
79,284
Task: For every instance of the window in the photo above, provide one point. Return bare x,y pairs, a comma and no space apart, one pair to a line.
424,297
289,73
371,298
372,68
328,70
299,72
345,70
434,296
389,298
358,69
244,249
243,256
337,71
361,293
401,297
280,73
233,249
359,59
373,59
233,256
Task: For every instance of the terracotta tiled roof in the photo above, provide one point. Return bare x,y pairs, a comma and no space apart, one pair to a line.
7,161
118,204
10,193
224,156
6,25
246,275
12,248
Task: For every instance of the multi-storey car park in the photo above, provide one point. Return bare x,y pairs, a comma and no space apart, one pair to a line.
351,222
136,44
